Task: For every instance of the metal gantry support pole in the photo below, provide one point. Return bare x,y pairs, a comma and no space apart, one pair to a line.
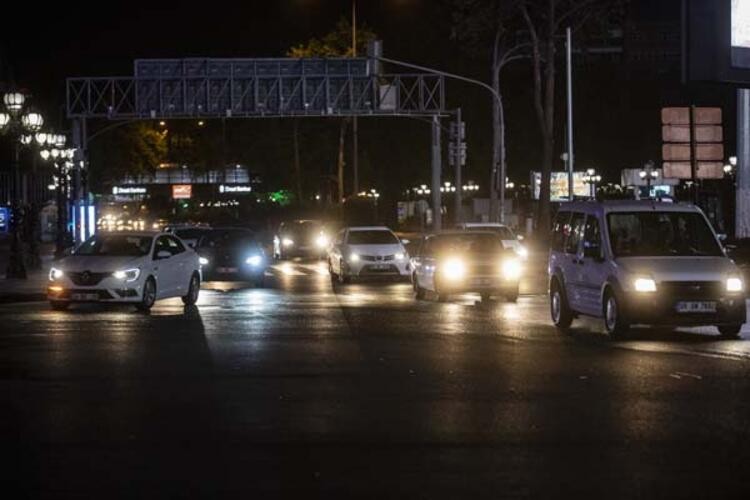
16,265
569,59
437,216
742,205
458,206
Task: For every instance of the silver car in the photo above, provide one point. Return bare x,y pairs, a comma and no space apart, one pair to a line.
642,262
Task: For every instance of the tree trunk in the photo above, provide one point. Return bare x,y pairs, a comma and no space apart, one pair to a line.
297,167
340,162
548,135
496,140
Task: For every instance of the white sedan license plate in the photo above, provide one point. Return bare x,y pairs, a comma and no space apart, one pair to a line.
696,307
226,270
380,267
84,296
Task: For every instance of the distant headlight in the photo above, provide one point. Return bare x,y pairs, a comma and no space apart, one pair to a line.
287,242
735,285
203,261
453,269
55,274
511,269
354,257
127,275
322,241
523,252
254,260
644,285
400,256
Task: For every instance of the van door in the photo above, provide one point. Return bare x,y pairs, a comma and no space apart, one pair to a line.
592,267
569,262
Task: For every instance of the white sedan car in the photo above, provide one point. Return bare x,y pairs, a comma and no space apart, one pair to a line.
133,268
367,251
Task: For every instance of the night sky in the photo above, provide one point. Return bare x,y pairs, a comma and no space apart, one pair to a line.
616,108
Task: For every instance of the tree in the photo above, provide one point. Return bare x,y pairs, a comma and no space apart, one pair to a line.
480,24
337,43
545,22
133,149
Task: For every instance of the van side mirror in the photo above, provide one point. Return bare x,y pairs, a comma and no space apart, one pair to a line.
593,252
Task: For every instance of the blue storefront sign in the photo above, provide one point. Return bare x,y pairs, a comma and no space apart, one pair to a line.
4,219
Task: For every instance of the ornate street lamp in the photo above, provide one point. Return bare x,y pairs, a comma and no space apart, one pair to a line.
20,125
648,173
592,179
60,158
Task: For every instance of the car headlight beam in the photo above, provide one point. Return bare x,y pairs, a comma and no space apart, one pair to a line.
453,269
511,269
55,274
254,260
128,275
735,284
644,285
287,242
322,241
354,257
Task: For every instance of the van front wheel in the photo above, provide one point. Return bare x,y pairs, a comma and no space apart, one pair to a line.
614,319
561,314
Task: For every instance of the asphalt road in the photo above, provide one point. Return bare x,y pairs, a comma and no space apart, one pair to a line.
305,390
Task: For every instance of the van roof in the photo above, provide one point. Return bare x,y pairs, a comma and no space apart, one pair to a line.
609,206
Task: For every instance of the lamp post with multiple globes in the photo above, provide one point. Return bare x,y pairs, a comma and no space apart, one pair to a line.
20,122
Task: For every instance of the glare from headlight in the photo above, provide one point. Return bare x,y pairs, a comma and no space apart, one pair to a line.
203,261
735,285
354,257
399,256
127,275
55,274
644,285
254,260
322,241
287,242
523,252
453,269
511,269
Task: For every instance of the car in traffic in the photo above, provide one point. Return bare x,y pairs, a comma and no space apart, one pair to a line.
126,267
367,251
232,254
467,261
642,262
189,233
300,238
506,234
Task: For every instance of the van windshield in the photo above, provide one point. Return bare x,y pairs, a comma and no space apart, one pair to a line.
661,234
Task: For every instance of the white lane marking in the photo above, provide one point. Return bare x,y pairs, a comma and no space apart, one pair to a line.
319,268
287,269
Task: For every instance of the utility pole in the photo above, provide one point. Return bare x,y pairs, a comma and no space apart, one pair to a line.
569,58
437,216
742,205
355,123
457,158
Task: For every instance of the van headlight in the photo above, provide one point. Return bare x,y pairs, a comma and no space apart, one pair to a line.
735,284
453,269
127,274
644,285
511,269
55,274
354,257
254,260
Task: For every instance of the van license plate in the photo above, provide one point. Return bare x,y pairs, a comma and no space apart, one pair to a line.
226,270
696,307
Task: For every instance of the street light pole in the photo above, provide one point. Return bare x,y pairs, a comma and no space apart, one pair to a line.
355,123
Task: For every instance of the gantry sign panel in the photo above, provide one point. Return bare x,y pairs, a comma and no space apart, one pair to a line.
188,88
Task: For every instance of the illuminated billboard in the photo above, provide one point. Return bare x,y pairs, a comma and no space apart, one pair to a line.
558,185
182,191
741,33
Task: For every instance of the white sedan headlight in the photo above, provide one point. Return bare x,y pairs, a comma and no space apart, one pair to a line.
55,274
511,269
254,260
735,284
127,275
354,257
400,256
203,261
644,285
287,242
453,269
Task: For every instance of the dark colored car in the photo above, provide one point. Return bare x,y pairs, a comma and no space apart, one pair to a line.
300,238
232,254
